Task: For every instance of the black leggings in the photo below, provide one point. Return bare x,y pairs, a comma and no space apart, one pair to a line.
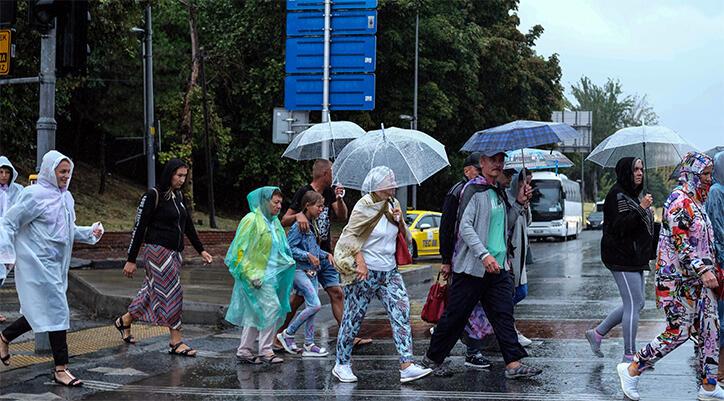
58,342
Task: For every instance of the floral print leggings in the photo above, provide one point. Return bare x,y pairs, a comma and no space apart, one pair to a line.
694,311
389,288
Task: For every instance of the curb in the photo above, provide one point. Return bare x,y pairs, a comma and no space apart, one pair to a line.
82,292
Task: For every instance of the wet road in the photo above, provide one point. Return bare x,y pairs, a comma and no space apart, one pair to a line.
569,292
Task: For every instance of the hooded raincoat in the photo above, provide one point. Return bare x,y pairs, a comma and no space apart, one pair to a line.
685,254
37,234
260,251
8,195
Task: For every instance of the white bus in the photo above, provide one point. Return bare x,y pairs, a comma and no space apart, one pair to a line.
556,206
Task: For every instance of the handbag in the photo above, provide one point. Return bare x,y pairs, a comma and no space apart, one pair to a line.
435,303
402,253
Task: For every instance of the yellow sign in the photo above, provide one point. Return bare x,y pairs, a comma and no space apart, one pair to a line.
5,51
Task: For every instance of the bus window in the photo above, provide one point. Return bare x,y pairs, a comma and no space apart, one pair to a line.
547,202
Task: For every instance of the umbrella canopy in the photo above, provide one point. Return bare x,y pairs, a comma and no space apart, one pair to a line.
536,159
517,135
713,151
308,144
412,155
656,145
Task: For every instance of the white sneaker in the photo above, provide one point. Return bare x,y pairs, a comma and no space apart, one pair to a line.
713,395
344,373
629,384
432,330
523,340
413,372
314,351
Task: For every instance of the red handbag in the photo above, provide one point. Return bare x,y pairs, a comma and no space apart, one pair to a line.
435,303
402,253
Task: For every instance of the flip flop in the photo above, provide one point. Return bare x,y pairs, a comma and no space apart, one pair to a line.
361,341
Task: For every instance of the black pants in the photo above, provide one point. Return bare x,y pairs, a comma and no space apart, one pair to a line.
493,291
58,342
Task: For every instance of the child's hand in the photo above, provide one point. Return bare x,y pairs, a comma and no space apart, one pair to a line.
330,258
313,259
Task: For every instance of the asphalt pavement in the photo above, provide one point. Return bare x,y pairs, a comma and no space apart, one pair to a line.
570,292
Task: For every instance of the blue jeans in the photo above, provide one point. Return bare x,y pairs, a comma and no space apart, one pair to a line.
306,287
389,288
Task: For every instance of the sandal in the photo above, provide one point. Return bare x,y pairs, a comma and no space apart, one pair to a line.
249,359
5,359
74,382
186,352
271,359
118,323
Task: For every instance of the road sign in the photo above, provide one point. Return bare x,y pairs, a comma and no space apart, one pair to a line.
287,123
5,51
581,121
352,22
347,92
302,5
348,54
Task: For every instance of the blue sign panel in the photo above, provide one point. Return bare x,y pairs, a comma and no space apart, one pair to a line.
348,54
346,92
302,5
362,22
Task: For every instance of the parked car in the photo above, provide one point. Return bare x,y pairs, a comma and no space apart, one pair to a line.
594,221
425,228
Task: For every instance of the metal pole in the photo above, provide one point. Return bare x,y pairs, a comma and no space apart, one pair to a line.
209,163
413,123
46,124
150,127
325,83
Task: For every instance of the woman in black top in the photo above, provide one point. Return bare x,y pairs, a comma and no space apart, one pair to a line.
161,222
627,246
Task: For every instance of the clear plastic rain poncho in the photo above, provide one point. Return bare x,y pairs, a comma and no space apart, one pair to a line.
37,234
260,251
8,195
715,206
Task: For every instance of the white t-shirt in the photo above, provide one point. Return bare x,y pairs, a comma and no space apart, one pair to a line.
379,249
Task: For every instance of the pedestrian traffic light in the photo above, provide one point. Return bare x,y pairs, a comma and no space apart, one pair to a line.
72,51
41,14
8,10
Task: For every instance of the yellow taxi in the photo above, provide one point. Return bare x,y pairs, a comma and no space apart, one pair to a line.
425,228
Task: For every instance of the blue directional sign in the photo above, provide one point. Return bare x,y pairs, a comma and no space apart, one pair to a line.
353,22
348,54
302,5
346,92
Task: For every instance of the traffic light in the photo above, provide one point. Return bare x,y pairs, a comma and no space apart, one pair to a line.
41,13
72,32
8,10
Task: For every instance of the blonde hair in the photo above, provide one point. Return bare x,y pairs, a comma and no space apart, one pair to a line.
320,168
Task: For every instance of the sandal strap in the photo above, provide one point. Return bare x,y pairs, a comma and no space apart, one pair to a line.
119,324
176,346
4,340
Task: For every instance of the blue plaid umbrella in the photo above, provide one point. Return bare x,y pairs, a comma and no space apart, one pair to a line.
517,135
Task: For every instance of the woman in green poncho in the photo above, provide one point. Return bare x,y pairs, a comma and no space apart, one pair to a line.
261,263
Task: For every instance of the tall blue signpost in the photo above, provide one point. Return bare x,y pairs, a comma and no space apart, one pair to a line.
331,56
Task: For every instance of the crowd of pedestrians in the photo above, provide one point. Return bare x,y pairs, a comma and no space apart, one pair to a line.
483,244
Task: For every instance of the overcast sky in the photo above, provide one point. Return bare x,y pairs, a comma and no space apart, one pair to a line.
671,51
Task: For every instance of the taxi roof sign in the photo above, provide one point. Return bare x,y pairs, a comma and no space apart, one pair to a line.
5,46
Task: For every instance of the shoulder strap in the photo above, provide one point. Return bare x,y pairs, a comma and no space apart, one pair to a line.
157,196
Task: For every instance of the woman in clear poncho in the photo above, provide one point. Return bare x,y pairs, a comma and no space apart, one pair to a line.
9,192
365,255
715,210
37,235
261,263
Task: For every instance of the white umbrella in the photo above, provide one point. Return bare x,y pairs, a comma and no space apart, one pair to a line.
412,155
656,145
308,144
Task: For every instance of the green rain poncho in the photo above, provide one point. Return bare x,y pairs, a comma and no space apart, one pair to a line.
260,251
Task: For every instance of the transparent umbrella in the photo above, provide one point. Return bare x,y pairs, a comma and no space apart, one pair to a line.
308,144
412,155
656,145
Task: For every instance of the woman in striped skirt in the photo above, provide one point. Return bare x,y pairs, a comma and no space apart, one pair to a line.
161,222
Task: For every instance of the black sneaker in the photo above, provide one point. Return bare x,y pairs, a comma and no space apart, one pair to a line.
477,361
438,369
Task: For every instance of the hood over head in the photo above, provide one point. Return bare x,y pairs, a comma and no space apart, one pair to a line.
46,176
259,200
624,176
690,169
718,173
379,179
5,162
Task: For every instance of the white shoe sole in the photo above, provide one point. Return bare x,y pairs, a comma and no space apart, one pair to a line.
477,367
420,376
314,354
621,380
701,397
525,342
335,374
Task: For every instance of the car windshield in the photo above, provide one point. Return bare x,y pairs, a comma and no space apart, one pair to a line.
547,202
410,218
595,215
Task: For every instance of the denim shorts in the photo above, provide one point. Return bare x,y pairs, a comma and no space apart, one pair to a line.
327,275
